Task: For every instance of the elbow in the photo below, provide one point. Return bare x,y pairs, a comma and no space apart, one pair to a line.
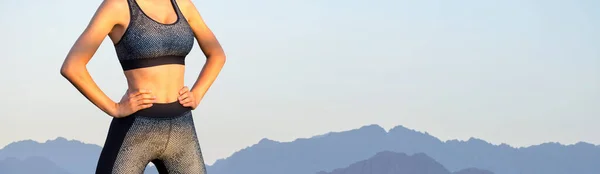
221,57
68,70
64,71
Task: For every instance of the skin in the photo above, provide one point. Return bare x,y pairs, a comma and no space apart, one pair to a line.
158,84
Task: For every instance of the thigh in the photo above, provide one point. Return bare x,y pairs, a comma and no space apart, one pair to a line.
130,145
186,160
183,154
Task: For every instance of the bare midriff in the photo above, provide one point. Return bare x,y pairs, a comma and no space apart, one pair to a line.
165,81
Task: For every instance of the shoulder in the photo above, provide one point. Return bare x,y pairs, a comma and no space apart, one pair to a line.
111,12
114,7
188,9
116,4
184,4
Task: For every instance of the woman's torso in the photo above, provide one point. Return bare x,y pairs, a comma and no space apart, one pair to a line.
152,40
164,81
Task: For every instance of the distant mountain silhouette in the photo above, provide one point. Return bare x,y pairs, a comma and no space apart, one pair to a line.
339,149
30,165
388,162
72,155
75,156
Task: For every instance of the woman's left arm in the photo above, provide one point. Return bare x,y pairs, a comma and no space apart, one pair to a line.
210,46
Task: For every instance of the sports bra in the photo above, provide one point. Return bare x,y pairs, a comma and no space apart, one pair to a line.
147,42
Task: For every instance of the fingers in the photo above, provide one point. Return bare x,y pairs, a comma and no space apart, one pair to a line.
135,100
144,97
183,90
183,96
141,99
143,106
186,99
143,102
139,92
186,102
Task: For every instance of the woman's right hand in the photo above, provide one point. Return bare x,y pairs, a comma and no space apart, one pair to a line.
132,102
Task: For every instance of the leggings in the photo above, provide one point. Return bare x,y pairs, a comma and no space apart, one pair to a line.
163,134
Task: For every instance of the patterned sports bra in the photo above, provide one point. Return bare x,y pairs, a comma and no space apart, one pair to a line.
147,42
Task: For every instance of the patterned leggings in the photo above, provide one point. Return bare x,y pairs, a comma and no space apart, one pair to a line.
163,134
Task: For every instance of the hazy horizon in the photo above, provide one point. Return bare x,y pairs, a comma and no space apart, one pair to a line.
519,72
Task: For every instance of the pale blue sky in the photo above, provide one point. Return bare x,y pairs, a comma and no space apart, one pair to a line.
521,72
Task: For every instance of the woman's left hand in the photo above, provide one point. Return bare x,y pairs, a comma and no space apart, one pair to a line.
186,98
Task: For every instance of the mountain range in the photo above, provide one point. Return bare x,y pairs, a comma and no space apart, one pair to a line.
335,151
388,162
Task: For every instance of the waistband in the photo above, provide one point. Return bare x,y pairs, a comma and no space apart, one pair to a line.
129,64
163,110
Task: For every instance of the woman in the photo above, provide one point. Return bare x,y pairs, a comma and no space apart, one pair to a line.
152,122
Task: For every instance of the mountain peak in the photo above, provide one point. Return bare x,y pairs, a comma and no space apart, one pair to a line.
267,141
393,162
399,129
477,140
75,155
584,144
29,142
58,139
372,128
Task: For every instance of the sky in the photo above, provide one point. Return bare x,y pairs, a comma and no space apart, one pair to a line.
520,72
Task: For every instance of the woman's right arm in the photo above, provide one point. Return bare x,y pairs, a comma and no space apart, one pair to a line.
74,66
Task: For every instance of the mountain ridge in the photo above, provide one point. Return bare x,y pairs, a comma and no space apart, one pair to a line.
394,162
401,139
337,149
327,133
